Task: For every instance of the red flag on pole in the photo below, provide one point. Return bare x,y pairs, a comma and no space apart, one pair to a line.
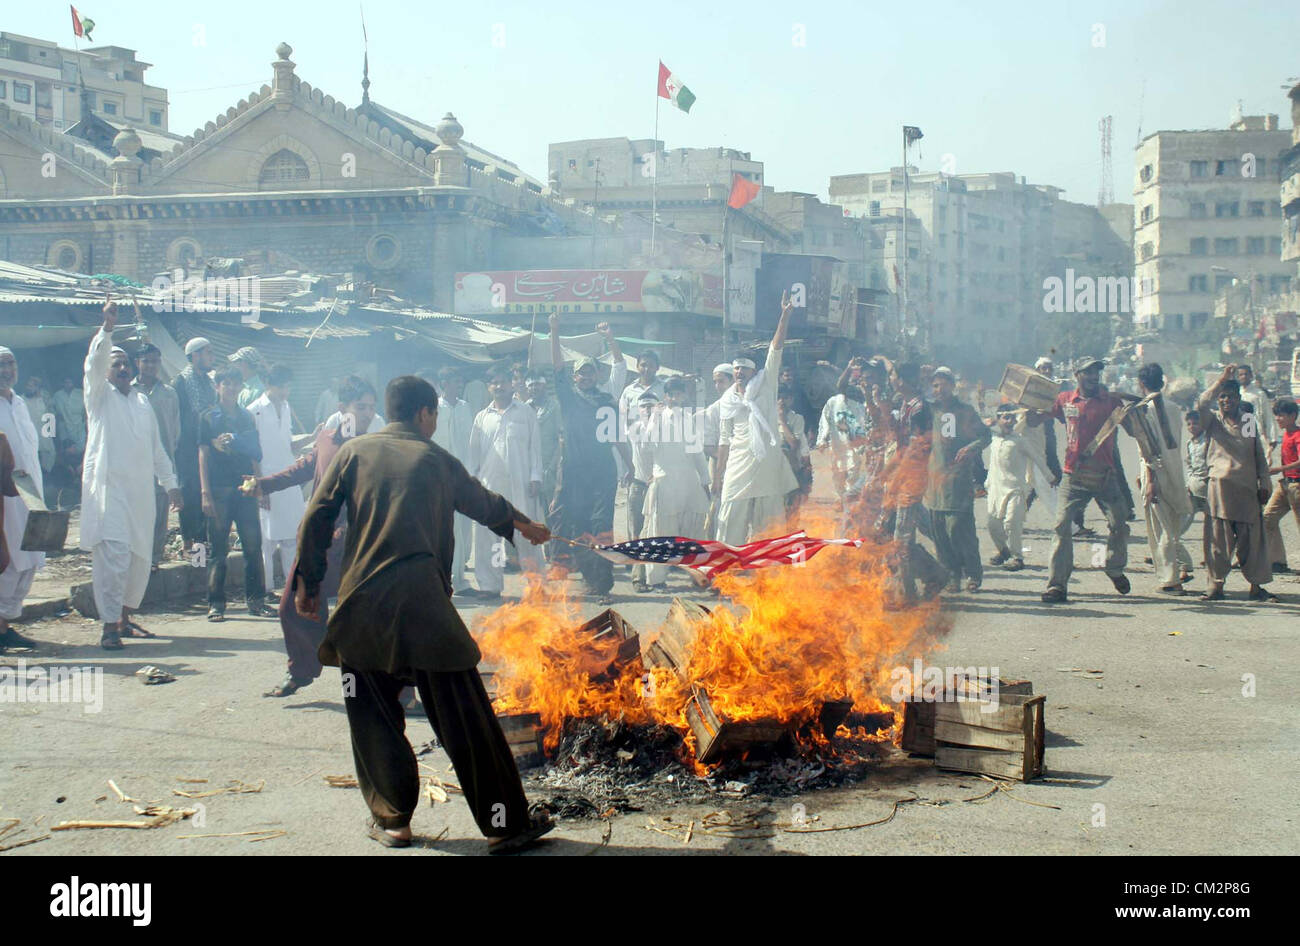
76,22
743,190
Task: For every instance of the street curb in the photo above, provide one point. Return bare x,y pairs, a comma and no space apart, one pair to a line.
173,582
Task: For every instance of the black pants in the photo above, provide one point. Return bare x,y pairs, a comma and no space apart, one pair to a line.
233,507
585,505
192,522
461,715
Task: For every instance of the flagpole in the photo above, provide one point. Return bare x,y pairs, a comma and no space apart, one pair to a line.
902,314
654,178
726,288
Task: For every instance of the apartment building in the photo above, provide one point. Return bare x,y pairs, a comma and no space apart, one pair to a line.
1207,217
47,83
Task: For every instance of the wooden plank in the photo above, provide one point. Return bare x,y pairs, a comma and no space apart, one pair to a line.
961,734
671,649
1007,714
716,737
980,761
46,530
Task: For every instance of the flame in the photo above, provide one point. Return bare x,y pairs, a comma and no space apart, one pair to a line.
788,640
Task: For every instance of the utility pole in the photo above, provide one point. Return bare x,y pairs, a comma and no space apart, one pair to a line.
595,213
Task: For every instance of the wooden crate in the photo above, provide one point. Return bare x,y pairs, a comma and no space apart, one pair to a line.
1006,741
918,717
47,530
716,737
1028,388
615,640
524,735
671,649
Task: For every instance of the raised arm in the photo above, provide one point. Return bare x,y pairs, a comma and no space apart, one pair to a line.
95,383
783,323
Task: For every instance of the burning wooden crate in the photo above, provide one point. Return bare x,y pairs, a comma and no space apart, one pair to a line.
615,645
716,737
1003,738
524,736
671,649
919,716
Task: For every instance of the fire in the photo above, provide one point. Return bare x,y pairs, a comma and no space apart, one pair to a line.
781,643
542,663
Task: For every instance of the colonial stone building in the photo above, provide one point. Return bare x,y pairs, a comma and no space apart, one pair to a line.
288,178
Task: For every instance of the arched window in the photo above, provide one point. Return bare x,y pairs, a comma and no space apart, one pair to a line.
283,167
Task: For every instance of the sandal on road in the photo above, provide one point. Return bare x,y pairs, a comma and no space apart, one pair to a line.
1215,595
112,642
215,616
131,629
286,687
1263,594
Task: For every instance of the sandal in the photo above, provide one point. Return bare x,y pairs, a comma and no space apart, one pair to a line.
135,630
215,616
383,837
286,687
111,642
1216,595
539,823
1263,594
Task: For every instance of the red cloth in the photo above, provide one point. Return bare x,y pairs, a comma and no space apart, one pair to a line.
1291,452
1083,417
743,191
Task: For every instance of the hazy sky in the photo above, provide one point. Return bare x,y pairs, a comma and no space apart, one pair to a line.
1000,87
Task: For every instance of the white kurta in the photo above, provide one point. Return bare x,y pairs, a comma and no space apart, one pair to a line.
757,477
16,422
756,465
1038,476
1010,459
123,456
1165,517
677,501
455,420
505,454
275,434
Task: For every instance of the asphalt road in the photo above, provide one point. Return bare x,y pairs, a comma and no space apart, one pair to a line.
1184,743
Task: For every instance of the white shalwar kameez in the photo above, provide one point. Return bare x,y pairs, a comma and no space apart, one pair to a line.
677,501
757,477
505,454
1038,476
123,456
1010,458
16,580
280,522
842,420
1165,516
455,419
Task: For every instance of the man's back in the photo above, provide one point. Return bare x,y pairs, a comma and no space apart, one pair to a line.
401,492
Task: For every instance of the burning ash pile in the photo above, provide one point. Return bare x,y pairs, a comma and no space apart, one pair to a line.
779,689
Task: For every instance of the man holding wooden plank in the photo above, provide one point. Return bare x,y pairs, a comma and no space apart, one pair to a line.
1090,414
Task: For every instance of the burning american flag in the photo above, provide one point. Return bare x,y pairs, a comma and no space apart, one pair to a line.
712,557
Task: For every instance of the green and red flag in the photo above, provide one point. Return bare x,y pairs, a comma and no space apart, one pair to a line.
81,25
671,88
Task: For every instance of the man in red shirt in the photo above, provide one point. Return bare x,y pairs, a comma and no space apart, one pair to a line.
1089,474
1286,495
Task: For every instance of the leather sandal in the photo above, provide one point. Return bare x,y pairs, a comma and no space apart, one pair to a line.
383,837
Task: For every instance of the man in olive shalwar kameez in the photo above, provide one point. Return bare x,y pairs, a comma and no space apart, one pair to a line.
1239,485
395,625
